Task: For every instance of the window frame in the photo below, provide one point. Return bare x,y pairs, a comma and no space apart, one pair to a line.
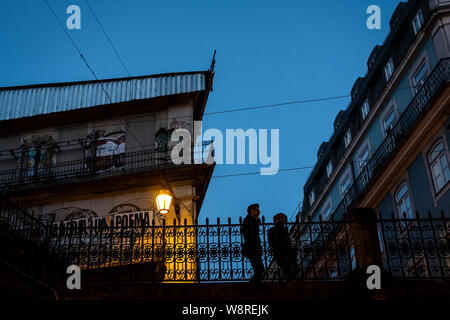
439,134
311,197
420,19
404,183
389,68
437,159
392,105
417,86
347,138
360,153
352,257
346,177
386,116
365,109
329,168
326,207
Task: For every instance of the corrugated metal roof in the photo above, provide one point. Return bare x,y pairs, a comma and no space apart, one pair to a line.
27,101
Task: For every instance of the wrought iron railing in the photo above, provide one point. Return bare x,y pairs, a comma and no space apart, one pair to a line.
16,222
438,78
208,252
324,250
90,168
416,248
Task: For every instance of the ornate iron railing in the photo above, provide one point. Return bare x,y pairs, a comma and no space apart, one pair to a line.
16,222
90,168
416,248
324,250
438,78
181,252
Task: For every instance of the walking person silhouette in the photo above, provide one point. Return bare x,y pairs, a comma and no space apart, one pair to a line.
252,244
283,252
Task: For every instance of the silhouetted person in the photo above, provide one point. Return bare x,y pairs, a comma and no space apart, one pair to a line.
252,243
283,252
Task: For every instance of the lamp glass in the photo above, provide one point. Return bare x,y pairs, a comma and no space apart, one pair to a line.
163,200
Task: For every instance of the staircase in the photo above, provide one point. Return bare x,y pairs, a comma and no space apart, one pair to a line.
27,270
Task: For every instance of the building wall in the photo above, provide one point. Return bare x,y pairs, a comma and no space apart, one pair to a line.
140,133
420,184
432,47
108,205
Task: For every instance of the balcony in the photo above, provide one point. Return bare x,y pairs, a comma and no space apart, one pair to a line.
89,168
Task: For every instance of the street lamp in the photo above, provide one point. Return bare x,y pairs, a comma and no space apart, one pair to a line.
163,200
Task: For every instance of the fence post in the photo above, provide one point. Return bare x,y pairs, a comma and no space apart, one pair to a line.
364,237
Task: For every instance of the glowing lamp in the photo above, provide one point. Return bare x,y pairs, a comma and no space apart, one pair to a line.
163,200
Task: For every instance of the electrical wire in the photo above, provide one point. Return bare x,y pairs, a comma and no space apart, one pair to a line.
259,172
112,45
296,210
88,66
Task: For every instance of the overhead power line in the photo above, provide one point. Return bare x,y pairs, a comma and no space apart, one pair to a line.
296,210
112,46
76,48
108,38
259,172
89,67
278,104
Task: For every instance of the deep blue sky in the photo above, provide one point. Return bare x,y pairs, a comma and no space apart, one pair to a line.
267,52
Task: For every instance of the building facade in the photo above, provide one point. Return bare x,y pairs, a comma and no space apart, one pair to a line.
98,153
390,148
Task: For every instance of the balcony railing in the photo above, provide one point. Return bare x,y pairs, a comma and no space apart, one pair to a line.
436,81
89,168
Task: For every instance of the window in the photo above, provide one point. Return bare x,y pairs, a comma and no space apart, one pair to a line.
419,77
389,120
380,238
363,157
347,138
438,163
417,21
345,184
389,69
312,197
352,257
326,213
334,270
365,109
329,168
403,201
